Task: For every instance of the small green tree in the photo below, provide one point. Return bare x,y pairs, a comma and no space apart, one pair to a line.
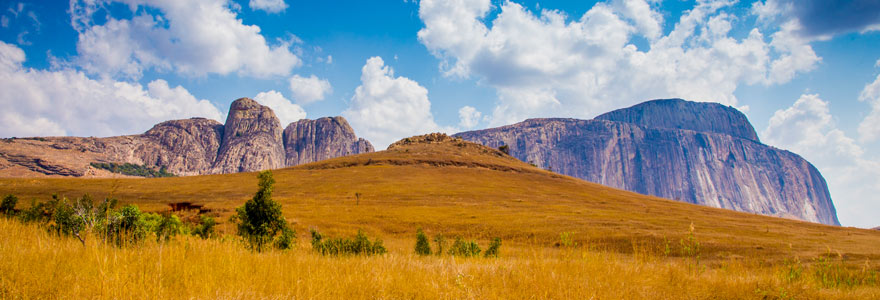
7,207
464,248
440,241
286,239
205,229
422,245
493,249
260,219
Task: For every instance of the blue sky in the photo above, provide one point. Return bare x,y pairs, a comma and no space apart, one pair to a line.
805,72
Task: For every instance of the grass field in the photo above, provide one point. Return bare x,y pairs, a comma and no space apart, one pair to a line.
627,245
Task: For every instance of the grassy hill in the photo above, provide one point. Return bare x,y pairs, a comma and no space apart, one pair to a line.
627,245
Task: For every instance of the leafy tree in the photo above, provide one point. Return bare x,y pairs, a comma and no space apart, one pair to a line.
260,219
286,239
164,226
422,245
440,241
7,207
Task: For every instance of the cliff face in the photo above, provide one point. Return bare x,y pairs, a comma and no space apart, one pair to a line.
308,141
681,114
724,166
251,140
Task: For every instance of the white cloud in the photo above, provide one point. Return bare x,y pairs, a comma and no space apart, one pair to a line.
67,102
285,111
468,117
386,108
270,6
309,89
807,128
546,65
869,129
187,37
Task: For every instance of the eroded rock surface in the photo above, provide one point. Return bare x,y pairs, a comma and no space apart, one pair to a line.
722,166
308,141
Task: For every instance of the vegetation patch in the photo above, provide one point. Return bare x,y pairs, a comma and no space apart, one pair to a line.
133,169
358,245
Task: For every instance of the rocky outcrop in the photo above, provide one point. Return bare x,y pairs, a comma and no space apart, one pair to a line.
251,140
724,166
681,114
308,141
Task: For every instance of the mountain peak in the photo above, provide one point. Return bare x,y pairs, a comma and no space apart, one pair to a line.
688,115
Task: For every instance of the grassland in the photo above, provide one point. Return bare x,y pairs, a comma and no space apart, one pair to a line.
627,245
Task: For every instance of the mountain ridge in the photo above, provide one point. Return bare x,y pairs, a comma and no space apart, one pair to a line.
725,166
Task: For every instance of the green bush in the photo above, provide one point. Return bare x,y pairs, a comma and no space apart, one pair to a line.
493,249
359,245
7,207
164,226
464,248
440,241
286,240
422,245
205,229
260,219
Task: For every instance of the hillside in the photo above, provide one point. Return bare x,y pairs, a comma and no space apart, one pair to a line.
448,185
702,153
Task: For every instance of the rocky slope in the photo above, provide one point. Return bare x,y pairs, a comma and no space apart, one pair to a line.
251,140
308,141
698,152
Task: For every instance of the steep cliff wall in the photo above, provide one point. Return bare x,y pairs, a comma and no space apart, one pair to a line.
708,168
308,141
251,139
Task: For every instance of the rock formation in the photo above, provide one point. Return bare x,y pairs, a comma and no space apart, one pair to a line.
699,153
251,140
308,141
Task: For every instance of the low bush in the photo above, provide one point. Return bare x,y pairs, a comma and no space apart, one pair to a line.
359,245
464,248
494,247
7,207
205,228
422,246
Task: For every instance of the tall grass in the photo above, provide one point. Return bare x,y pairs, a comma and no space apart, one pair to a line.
35,264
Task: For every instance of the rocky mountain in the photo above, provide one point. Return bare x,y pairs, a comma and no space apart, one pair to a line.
307,141
251,140
702,153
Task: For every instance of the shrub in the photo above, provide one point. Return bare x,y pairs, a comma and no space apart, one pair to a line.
505,149
32,214
286,239
205,229
440,241
7,207
260,219
164,226
464,248
494,246
359,245
422,245
133,169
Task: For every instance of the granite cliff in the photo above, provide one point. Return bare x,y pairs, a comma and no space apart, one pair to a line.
251,140
702,153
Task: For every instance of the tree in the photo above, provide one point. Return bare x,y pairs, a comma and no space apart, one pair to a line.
260,219
7,207
492,251
422,245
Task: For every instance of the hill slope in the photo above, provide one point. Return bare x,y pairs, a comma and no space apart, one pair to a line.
448,185
703,153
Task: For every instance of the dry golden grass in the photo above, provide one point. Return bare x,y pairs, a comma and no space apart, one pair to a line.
446,188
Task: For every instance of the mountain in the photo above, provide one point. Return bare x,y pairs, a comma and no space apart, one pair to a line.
702,153
252,139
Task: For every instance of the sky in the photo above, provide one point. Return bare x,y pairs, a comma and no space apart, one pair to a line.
806,73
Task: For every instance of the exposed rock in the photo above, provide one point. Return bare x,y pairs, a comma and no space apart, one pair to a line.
681,114
251,139
709,168
308,141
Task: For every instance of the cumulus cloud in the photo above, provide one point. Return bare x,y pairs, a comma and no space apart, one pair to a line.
808,129
188,37
468,117
270,6
822,19
67,102
386,108
546,65
309,89
286,111
869,129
